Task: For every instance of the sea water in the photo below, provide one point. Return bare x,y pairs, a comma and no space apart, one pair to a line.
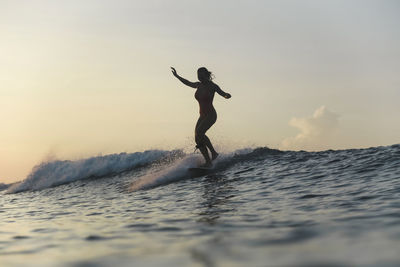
257,207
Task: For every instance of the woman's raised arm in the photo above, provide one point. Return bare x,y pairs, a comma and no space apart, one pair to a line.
183,80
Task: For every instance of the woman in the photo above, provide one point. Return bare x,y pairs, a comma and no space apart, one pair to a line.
206,89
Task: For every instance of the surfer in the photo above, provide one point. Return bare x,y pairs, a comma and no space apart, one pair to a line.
205,90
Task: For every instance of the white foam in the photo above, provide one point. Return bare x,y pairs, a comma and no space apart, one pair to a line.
54,173
175,172
179,170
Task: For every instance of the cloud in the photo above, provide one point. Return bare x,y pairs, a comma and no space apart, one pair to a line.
316,132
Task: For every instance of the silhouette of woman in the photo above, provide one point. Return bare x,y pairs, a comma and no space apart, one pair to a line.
206,89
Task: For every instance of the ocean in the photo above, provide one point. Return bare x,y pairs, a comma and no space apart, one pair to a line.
256,207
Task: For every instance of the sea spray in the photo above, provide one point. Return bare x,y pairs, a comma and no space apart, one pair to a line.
58,172
176,171
179,169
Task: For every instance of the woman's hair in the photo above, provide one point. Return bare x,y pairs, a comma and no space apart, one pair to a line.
208,74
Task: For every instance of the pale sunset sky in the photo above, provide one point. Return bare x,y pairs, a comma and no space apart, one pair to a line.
83,78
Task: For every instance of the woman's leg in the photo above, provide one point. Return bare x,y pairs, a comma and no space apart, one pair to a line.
199,141
202,141
214,153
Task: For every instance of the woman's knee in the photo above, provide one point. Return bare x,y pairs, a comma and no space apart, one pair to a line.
199,138
199,132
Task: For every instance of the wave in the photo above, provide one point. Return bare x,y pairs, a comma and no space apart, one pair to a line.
179,169
382,159
3,186
49,174
174,165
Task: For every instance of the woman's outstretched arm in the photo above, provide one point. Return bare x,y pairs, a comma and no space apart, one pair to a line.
183,80
222,93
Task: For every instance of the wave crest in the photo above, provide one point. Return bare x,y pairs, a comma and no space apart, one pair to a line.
49,174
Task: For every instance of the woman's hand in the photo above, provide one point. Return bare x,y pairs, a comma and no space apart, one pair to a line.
183,80
174,72
227,95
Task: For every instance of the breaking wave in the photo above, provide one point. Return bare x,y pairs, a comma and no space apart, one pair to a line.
164,167
49,174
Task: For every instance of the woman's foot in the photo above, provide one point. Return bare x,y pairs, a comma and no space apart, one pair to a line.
214,156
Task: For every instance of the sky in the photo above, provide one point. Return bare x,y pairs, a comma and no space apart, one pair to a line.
85,78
